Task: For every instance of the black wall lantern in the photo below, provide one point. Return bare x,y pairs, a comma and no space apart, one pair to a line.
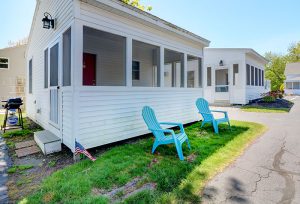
221,63
48,22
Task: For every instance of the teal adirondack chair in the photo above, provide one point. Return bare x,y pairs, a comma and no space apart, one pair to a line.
164,136
208,117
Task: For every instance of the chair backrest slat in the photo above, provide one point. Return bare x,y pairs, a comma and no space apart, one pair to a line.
203,107
151,121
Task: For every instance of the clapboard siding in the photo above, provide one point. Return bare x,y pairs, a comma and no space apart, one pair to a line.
107,117
40,39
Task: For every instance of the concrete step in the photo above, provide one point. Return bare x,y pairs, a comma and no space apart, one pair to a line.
223,103
47,141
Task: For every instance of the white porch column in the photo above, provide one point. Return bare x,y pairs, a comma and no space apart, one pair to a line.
185,70
129,61
77,50
162,67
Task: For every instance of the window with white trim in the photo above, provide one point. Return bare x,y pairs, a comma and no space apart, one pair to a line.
3,63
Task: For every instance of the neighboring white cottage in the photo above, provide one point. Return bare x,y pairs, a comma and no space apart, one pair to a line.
292,82
90,76
233,75
12,72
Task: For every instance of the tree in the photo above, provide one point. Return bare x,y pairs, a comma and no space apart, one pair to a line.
137,4
294,53
275,70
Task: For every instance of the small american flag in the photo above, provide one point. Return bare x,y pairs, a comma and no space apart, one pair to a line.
79,149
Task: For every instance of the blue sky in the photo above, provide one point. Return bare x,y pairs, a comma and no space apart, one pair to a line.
264,25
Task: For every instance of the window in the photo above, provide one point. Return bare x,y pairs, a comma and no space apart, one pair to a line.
145,65
235,73
54,65
296,85
260,79
3,63
252,76
222,81
248,74
208,76
135,70
67,58
263,77
289,85
30,76
107,65
46,68
256,76
174,69
194,72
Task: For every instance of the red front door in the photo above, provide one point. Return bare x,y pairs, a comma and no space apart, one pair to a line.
89,69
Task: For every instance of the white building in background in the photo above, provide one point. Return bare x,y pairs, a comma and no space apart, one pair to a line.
90,76
12,72
233,75
292,82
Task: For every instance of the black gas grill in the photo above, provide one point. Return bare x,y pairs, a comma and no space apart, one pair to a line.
13,104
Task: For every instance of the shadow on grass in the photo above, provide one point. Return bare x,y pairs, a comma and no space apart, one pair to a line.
120,164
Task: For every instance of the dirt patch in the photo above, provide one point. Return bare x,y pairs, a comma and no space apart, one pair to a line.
118,194
26,180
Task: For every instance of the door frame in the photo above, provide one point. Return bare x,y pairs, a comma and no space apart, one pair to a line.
224,95
57,127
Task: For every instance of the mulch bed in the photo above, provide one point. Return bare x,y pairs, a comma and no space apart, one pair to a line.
278,103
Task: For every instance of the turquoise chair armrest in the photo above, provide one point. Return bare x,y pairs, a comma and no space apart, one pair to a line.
176,124
217,111
162,130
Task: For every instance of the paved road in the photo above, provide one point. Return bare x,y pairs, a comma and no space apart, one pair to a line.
269,170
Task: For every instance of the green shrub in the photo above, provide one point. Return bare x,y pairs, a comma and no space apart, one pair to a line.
268,99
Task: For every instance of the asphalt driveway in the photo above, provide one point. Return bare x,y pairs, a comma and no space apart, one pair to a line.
269,170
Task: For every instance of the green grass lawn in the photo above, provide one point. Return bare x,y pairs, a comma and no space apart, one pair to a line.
265,110
175,180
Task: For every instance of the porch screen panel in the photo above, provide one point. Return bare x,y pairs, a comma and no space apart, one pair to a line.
248,74
109,67
259,78
256,76
208,76
174,69
54,65
296,85
200,78
263,77
147,56
67,58
194,72
252,76
235,73
46,68
30,76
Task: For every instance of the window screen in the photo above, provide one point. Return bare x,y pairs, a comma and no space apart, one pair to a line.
174,69
145,65
252,76
194,72
263,77
54,65
260,79
296,85
46,68
30,76
208,76
67,58
135,70
235,73
248,74
110,64
256,76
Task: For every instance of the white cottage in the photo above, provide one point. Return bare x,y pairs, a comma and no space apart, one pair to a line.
292,82
233,75
91,74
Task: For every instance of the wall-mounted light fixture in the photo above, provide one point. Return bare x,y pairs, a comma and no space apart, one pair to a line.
221,63
48,22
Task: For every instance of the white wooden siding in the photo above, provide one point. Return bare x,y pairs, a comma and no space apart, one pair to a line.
67,117
109,115
38,107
